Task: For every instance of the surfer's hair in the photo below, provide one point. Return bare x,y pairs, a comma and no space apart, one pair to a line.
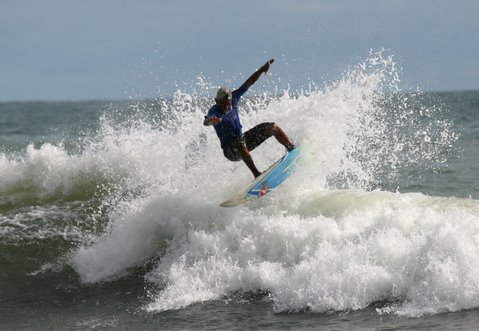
223,94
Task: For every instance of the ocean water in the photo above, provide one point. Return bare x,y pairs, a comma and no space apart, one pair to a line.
109,215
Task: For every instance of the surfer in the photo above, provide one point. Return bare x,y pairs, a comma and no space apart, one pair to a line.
225,119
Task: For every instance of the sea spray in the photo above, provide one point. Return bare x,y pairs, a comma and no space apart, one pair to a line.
325,242
357,133
357,256
309,246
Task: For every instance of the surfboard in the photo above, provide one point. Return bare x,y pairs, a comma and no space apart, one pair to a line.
267,181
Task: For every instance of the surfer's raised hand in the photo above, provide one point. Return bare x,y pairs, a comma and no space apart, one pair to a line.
255,76
266,66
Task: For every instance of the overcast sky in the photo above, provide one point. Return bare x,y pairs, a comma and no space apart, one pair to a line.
116,49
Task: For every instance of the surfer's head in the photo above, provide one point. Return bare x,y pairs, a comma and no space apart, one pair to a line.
223,99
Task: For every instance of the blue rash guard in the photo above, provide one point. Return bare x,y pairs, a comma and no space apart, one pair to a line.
229,129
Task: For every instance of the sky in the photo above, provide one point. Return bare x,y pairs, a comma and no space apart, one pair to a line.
60,50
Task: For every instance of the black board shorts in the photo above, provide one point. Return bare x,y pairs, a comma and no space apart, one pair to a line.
252,138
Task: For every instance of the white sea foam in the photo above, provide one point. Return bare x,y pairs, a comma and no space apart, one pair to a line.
308,245
322,242
38,223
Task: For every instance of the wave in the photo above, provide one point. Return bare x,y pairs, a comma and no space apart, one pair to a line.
357,133
363,248
326,241
327,251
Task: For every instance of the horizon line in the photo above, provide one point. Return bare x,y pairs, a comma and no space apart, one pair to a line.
171,96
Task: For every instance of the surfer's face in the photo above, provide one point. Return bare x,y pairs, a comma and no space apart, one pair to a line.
225,105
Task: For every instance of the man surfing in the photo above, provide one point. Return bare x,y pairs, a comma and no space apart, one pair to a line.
225,119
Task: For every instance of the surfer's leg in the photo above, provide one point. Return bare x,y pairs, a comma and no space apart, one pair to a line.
257,135
282,137
238,150
246,157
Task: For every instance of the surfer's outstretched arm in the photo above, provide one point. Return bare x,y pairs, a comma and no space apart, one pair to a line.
254,77
211,120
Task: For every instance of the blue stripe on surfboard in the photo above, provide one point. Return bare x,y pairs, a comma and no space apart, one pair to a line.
277,175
